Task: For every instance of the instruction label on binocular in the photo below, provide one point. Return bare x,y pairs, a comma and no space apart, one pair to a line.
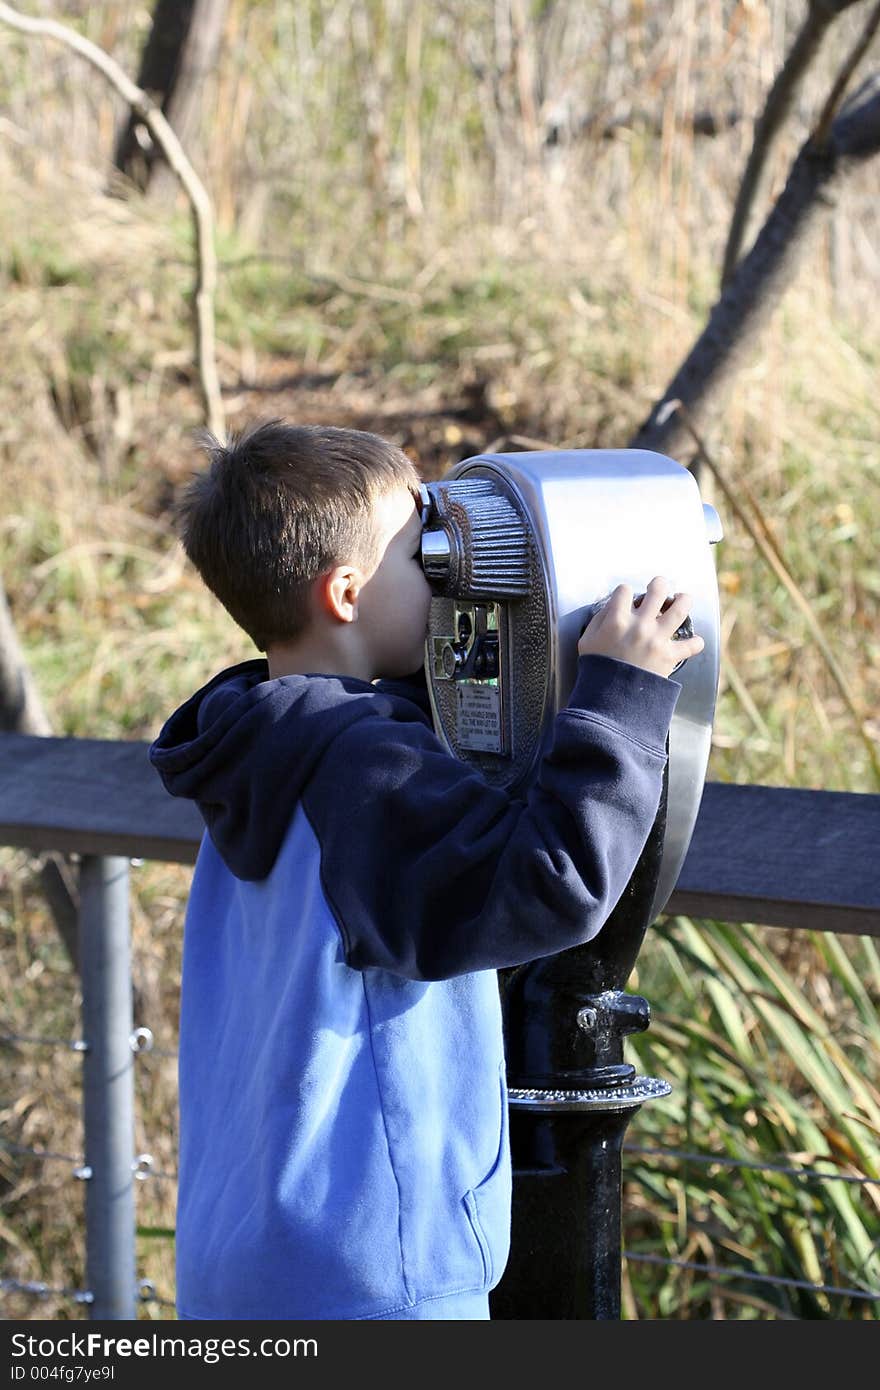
479,716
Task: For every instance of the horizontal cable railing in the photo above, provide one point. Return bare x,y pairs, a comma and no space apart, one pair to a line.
801,1172
728,1272
725,1161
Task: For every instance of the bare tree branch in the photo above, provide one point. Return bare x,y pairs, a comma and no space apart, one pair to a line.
749,299
203,215
841,81
820,16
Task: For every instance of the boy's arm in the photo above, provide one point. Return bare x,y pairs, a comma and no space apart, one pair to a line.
432,873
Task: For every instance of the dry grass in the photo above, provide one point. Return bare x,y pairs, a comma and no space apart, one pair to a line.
398,248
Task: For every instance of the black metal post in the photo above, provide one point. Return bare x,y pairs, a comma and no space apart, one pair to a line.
571,1098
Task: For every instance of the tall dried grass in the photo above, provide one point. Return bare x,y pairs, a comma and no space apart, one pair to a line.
392,215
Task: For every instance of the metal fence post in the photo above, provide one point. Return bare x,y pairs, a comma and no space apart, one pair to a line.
108,1085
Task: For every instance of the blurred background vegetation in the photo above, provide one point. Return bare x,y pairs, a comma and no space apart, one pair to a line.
462,225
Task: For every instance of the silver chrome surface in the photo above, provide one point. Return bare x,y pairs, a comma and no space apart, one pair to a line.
436,555
714,529
599,518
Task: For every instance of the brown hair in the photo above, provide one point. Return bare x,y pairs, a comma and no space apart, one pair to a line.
278,506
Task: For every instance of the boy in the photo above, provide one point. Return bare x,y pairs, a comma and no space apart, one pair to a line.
343,1109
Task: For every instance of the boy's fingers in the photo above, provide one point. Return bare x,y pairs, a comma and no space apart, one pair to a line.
679,607
620,599
688,646
654,597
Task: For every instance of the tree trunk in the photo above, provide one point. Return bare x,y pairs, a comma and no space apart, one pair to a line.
765,273
21,709
820,15
181,50
22,712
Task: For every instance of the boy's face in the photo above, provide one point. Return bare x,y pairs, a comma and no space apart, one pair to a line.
394,602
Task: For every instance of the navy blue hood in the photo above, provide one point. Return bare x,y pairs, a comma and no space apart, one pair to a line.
244,746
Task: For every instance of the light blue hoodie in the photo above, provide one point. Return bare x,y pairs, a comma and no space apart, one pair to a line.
344,1147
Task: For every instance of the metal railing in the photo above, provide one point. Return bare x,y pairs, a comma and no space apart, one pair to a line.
101,801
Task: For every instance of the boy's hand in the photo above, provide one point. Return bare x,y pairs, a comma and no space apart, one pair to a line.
642,631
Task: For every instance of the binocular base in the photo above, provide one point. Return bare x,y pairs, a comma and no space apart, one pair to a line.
565,1249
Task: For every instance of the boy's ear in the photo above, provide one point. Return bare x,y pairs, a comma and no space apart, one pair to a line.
337,593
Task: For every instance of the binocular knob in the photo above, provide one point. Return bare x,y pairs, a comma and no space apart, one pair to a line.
474,540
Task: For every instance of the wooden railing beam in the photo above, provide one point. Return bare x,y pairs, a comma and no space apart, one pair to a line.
776,856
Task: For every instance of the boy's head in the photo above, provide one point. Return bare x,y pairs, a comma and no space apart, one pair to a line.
281,507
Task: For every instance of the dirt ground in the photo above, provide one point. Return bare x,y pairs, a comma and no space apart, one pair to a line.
436,426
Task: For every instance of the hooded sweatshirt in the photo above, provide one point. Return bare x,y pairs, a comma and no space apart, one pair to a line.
344,1149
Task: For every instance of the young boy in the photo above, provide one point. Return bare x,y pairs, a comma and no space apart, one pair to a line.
343,1108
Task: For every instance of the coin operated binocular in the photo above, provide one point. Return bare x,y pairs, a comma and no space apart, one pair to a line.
520,550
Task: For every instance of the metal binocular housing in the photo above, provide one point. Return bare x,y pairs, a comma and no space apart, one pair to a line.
520,550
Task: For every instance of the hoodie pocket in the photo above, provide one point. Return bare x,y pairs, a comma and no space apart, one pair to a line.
488,1204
